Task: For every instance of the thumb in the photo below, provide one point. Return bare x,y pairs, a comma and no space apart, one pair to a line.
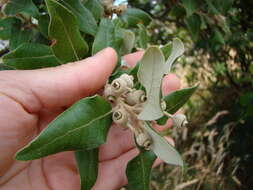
60,86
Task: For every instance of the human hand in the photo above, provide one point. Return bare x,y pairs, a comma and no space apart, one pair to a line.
29,100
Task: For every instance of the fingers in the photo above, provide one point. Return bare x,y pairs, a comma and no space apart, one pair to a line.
133,58
111,173
118,142
59,86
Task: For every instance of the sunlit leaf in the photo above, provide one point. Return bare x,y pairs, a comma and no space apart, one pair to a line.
177,50
83,126
30,56
85,19
162,148
87,163
139,169
69,44
150,75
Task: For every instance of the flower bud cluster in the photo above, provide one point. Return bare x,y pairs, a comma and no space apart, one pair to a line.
179,120
127,103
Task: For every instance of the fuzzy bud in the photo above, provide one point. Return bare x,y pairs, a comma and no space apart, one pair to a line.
120,117
143,140
135,97
163,105
109,93
179,120
128,79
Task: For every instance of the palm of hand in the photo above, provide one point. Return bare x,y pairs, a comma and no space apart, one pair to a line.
59,171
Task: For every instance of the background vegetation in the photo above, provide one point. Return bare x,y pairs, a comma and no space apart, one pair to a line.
218,144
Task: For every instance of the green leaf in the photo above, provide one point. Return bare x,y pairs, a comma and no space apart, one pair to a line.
95,7
43,24
69,44
87,162
211,8
134,72
162,148
143,37
178,98
133,16
194,23
31,56
14,7
175,100
167,49
107,36
128,42
139,169
177,51
150,75
4,67
83,126
6,26
19,36
85,19
190,6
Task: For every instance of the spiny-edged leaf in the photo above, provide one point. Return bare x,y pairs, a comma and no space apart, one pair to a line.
138,170
85,19
175,100
69,44
143,37
133,16
5,27
17,6
190,6
83,126
4,67
194,23
95,7
30,56
162,148
43,24
87,163
128,42
107,36
177,50
19,36
167,49
150,75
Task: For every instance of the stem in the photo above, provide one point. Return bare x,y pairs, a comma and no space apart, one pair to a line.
168,114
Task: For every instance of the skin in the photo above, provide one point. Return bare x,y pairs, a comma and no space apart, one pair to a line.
29,100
